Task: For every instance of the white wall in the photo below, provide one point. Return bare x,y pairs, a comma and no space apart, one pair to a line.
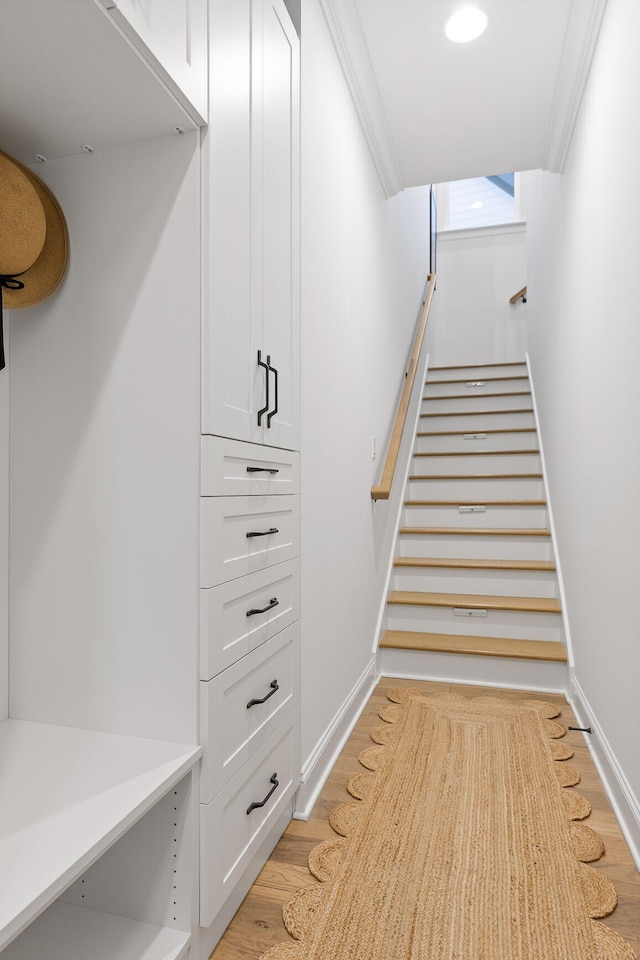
364,268
104,453
478,271
584,341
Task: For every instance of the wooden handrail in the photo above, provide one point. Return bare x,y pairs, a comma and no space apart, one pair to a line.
520,295
382,491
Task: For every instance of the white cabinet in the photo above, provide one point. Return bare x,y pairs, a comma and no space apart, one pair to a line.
100,827
249,666
172,37
251,342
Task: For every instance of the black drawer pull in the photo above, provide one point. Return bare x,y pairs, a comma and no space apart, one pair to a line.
274,686
267,367
262,470
273,412
262,533
272,603
276,783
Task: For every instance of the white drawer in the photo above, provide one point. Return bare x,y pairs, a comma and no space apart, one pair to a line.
231,730
231,468
231,627
229,835
241,535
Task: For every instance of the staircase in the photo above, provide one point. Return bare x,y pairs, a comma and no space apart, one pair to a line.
474,593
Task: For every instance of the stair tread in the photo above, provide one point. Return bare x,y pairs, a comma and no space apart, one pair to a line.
478,366
476,476
478,453
474,413
479,396
461,433
456,563
480,502
478,531
480,646
474,601
514,376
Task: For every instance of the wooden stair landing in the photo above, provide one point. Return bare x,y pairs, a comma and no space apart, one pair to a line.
549,650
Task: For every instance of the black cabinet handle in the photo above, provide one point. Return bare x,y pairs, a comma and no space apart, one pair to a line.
262,533
267,367
274,686
273,412
262,470
276,783
272,603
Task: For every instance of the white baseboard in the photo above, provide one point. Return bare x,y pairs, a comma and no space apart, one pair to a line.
321,762
622,798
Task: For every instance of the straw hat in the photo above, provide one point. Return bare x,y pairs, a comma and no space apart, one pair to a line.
34,240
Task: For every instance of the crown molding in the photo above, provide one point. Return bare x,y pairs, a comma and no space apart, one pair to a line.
348,39
581,38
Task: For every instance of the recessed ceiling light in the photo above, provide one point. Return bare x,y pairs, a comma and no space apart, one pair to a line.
476,205
466,24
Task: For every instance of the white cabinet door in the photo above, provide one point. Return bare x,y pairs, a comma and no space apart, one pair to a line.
233,386
280,293
172,37
251,244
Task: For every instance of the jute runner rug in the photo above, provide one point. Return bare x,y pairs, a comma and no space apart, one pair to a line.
462,844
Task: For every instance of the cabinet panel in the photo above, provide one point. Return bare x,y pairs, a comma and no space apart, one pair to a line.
241,535
251,260
233,386
229,835
230,628
230,468
231,729
172,37
280,294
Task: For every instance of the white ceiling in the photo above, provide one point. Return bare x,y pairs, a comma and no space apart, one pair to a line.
433,110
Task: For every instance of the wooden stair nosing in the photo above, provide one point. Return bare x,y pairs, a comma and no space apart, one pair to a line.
462,433
478,453
472,601
480,502
456,563
478,396
477,531
476,366
551,650
476,476
476,413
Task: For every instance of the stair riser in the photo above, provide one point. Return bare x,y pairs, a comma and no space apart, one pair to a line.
483,421
478,372
492,441
534,517
470,669
477,404
485,463
524,488
504,583
497,623
434,389
485,547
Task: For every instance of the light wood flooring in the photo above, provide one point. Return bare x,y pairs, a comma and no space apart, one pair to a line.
258,923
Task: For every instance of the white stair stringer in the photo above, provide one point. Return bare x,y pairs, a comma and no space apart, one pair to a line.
474,589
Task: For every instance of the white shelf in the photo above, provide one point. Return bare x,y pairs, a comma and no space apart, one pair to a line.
67,795
69,78
67,932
